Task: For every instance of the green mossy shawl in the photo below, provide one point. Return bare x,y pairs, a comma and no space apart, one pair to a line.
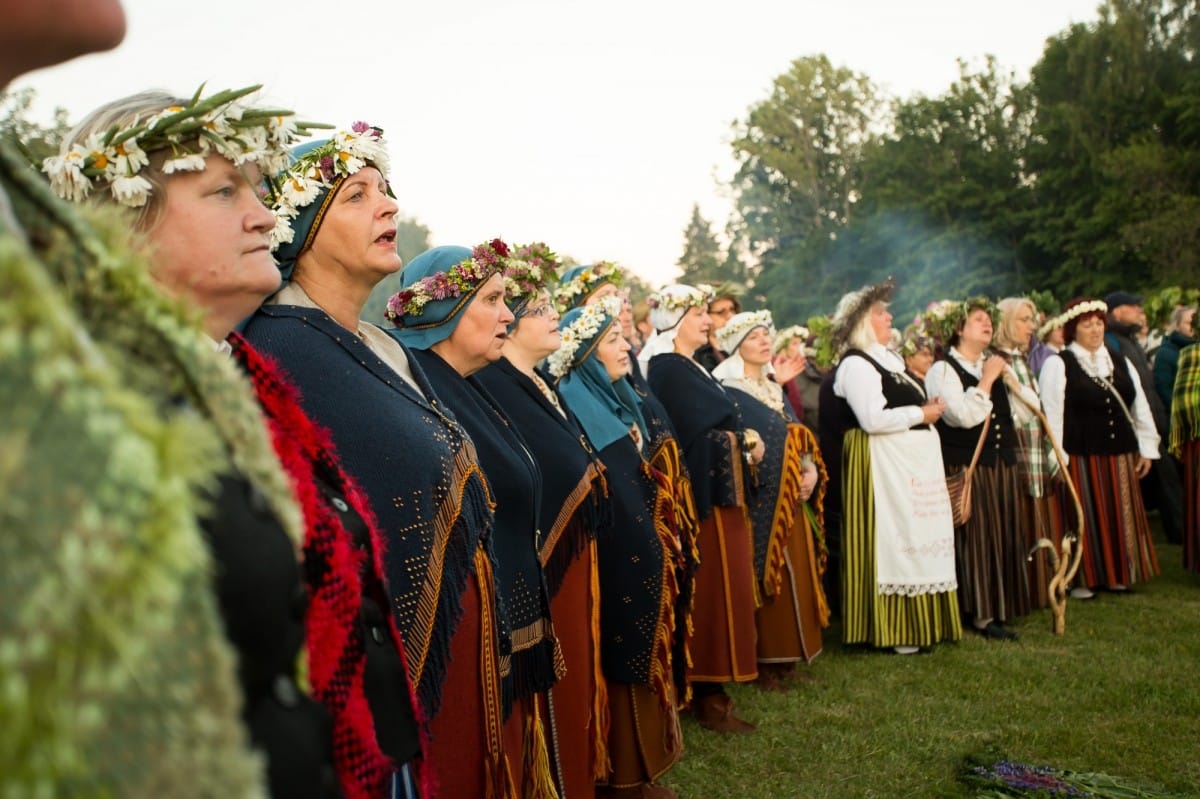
116,674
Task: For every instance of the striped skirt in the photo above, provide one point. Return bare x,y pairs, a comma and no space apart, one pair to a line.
882,620
1117,547
989,550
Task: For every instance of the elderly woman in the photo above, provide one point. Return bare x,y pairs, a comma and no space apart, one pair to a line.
451,313
977,427
802,391
1090,388
638,556
194,200
787,559
917,349
899,587
1185,445
574,503
719,454
415,464
1036,462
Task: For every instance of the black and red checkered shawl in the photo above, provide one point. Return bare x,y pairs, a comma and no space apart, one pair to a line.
337,574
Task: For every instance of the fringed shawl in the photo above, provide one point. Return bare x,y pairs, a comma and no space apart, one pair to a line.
704,417
416,465
338,573
530,660
574,491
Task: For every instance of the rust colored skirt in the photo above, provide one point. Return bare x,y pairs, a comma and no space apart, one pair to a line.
459,733
789,625
1117,547
723,640
990,548
645,740
575,713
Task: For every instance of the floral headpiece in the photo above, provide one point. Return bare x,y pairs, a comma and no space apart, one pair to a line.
942,320
527,271
850,310
190,132
785,336
316,170
1076,311
916,338
730,336
672,298
585,327
584,282
460,279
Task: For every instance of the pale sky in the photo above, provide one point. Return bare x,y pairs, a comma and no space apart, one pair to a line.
591,126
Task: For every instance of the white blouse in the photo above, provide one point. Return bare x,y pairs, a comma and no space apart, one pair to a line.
861,385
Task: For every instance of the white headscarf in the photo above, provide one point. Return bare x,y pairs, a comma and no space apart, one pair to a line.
730,338
668,306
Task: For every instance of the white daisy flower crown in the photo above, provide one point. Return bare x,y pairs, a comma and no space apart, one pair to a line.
584,327
301,182
191,131
784,337
737,328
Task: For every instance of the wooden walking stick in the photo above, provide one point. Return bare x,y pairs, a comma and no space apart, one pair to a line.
1066,562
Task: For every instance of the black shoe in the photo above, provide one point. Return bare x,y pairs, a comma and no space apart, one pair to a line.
998,632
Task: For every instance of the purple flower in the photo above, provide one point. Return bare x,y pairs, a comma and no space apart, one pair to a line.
360,127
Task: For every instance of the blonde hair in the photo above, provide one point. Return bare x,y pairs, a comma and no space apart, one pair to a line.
124,113
1006,332
862,335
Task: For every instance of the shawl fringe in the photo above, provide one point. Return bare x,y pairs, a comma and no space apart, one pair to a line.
783,522
539,778
582,513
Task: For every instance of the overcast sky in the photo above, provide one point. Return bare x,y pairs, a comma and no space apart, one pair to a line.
591,126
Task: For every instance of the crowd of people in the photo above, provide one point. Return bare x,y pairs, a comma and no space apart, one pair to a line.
257,546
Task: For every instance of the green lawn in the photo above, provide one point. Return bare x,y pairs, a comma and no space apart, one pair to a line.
1118,693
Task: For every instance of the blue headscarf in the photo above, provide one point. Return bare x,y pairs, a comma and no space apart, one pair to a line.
436,319
580,282
606,409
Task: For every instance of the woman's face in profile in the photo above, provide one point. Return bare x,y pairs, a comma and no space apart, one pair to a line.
211,243
613,353
483,328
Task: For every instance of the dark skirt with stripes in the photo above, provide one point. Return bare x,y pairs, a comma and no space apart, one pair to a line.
1117,547
1191,505
881,620
989,550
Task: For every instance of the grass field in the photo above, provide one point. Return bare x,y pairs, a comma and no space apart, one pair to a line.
1119,693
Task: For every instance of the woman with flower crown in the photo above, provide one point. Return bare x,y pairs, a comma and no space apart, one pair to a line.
980,391
193,200
640,549
720,455
416,466
1088,387
574,504
898,579
787,551
451,313
581,286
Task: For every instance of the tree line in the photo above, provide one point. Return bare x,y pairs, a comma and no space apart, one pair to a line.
1082,180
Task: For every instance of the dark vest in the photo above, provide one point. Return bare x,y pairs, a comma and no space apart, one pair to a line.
1093,421
899,390
958,443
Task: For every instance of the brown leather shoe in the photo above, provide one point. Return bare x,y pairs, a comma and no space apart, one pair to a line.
650,791
716,712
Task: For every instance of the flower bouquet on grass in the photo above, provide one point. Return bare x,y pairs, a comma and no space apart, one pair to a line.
1007,779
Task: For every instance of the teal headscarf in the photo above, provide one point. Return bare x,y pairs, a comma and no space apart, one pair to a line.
607,410
580,282
450,276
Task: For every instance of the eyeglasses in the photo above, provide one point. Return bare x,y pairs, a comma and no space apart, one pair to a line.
722,312
544,309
